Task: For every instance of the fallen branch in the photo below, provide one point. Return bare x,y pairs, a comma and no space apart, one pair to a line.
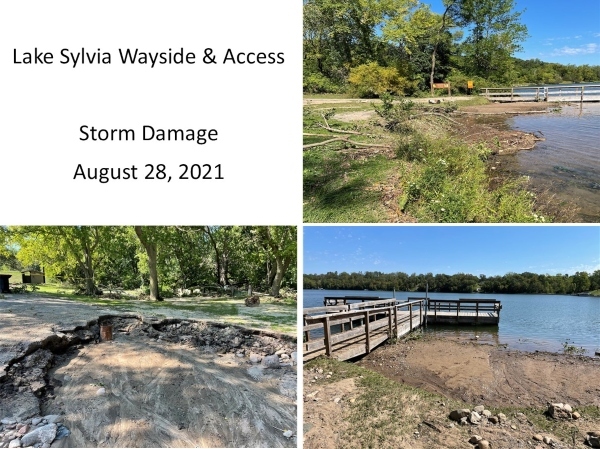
333,130
345,139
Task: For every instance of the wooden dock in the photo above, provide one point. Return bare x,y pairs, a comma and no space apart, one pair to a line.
349,329
463,311
576,94
351,326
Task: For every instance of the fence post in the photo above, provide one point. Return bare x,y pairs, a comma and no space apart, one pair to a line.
410,315
512,93
537,94
582,88
390,321
327,333
457,310
367,331
477,312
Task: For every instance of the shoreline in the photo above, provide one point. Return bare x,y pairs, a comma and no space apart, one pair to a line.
401,396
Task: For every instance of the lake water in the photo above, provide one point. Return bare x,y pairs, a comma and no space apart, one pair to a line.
567,163
527,322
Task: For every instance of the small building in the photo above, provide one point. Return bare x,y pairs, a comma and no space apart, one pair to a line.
33,277
4,283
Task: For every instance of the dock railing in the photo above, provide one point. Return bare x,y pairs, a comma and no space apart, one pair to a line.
550,93
482,308
349,330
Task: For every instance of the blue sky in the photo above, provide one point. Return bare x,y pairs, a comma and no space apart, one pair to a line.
489,250
560,31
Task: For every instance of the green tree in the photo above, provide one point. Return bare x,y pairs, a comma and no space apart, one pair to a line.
495,34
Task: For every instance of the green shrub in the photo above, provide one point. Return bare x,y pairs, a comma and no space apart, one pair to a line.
371,80
317,83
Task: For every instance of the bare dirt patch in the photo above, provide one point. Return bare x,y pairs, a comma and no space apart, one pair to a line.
158,383
474,372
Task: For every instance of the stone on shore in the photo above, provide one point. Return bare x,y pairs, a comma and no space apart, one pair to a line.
42,435
457,415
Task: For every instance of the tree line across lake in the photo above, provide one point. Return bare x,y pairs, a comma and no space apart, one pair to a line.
401,47
157,259
456,283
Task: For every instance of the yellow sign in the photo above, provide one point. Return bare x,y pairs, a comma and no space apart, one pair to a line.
470,84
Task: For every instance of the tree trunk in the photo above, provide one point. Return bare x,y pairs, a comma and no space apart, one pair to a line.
282,266
151,253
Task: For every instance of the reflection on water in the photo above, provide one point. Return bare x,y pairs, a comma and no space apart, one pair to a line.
568,161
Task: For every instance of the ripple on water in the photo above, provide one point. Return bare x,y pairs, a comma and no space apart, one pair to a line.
567,162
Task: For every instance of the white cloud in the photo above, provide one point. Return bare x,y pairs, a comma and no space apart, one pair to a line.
587,49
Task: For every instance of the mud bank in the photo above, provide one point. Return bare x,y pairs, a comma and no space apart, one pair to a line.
158,383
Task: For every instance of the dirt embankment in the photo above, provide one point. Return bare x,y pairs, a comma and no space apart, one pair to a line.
515,386
158,383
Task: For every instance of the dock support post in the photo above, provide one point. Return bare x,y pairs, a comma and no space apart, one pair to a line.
457,311
582,88
327,333
537,94
477,312
390,322
512,93
367,331
396,321
410,315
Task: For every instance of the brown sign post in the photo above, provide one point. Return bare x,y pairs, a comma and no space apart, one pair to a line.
443,86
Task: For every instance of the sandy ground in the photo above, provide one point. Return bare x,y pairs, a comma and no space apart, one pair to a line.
475,372
463,371
163,386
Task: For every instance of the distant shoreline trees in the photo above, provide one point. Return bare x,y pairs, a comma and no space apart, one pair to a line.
526,282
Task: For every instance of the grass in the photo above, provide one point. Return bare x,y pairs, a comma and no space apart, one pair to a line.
277,314
430,178
386,413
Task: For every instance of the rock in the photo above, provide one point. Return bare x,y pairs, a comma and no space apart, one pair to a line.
558,411
538,437
41,435
36,421
101,391
255,358
475,439
52,418
463,421
483,444
8,421
457,415
513,427
501,416
593,439
479,409
576,415
288,434
23,430
294,356
62,432
337,400
271,361
15,443
486,413
253,301
474,417
493,419
568,408
547,440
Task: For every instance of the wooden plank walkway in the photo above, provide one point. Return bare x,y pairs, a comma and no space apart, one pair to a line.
349,330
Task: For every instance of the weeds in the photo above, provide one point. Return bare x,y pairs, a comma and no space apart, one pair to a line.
569,348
